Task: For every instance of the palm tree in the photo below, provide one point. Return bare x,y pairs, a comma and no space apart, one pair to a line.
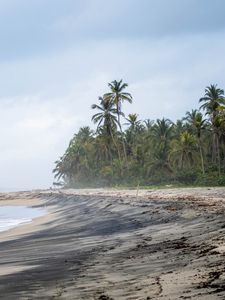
190,119
213,99
59,169
107,118
148,124
195,119
133,133
117,95
179,127
133,122
85,134
77,164
161,134
183,150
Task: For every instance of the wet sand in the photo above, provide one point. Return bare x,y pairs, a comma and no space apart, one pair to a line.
110,244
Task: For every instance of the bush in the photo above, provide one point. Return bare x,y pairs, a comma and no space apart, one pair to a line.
186,177
211,179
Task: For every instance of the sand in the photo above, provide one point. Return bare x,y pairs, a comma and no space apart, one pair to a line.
111,244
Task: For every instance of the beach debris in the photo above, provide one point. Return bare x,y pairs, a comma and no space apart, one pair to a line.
105,297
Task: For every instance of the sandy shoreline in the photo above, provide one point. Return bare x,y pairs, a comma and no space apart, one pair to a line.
127,244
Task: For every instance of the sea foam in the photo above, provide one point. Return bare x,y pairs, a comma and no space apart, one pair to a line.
12,216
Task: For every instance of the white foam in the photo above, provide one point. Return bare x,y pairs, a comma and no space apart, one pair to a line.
13,216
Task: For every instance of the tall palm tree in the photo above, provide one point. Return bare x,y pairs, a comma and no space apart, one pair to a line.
213,99
117,96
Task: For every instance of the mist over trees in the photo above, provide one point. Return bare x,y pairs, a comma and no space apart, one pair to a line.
190,151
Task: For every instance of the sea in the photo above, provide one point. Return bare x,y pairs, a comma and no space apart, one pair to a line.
13,216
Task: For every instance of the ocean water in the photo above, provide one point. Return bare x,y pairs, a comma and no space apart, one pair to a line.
12,216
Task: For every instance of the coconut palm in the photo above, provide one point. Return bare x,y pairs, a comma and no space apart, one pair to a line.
133,134
213,99
106,115
85,134
106,120
148,124
196,121
161,134
183,150
134,124
117,95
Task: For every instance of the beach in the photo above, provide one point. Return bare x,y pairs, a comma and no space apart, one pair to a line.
116,244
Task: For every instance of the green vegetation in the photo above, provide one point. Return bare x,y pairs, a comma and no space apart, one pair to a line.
188,152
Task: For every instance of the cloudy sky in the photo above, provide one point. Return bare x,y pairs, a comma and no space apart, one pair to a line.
57,56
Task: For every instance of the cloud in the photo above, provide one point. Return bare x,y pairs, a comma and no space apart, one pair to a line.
33,132
142,19
34,28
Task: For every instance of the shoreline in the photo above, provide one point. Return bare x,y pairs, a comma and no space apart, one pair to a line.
167,244
28,227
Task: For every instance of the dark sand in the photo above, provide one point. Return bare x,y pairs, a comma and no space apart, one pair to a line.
116,245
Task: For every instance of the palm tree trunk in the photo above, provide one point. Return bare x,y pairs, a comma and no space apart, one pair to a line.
218,154
121,131
123,143
215,142
214,147
201,155
223,153
118,151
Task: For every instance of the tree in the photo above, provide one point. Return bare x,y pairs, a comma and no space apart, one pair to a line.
195,119
133,121
133,133
183,150
162,132
117,96
147,151
107,118
148,124
213,99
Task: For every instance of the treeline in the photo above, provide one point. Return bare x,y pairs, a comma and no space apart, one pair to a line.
147,152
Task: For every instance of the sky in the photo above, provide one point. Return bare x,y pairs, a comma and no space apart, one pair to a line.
57,56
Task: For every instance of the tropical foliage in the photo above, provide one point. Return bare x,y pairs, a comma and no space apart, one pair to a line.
147,152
